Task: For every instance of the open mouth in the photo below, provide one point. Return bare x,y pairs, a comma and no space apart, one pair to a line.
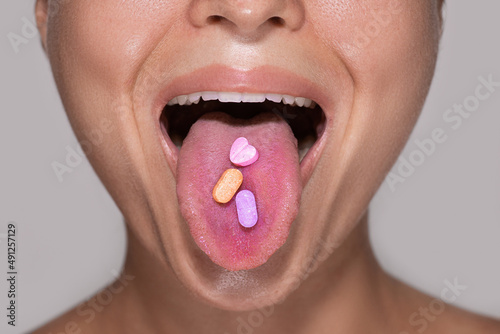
283,128
304,116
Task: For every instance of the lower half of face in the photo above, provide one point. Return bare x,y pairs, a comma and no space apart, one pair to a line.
324,92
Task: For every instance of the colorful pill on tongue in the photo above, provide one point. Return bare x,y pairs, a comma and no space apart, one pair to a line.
247,210
242,154
227,185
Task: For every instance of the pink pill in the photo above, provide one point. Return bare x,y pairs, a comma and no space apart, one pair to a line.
243,154
247,210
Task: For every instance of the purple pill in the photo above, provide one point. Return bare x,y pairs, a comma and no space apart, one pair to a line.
247,210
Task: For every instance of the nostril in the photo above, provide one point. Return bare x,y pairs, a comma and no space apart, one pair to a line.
278,21
247,17
215,18
275,20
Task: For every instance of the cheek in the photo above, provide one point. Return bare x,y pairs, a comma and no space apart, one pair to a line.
368,33
107,40
389,48
96,48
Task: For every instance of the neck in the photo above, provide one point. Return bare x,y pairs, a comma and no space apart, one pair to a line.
347,284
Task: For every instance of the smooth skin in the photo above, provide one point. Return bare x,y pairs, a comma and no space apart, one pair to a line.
111,57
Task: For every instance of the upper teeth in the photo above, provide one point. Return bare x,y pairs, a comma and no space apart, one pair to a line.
241,97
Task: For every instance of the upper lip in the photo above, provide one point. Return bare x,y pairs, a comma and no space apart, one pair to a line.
220,78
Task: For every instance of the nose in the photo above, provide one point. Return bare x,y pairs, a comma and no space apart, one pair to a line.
247,17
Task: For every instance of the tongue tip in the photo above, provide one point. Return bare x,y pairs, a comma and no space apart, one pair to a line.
242,259
246,248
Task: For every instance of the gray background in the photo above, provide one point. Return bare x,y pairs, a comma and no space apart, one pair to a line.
441,223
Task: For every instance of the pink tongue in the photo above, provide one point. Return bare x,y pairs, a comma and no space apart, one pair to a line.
274,179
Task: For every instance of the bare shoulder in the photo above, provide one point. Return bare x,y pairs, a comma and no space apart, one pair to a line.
97,314
68,323
89,317
460,321
438,314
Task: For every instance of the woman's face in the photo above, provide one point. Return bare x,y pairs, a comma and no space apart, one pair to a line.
367,64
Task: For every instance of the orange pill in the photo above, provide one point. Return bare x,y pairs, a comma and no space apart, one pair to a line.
227,185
